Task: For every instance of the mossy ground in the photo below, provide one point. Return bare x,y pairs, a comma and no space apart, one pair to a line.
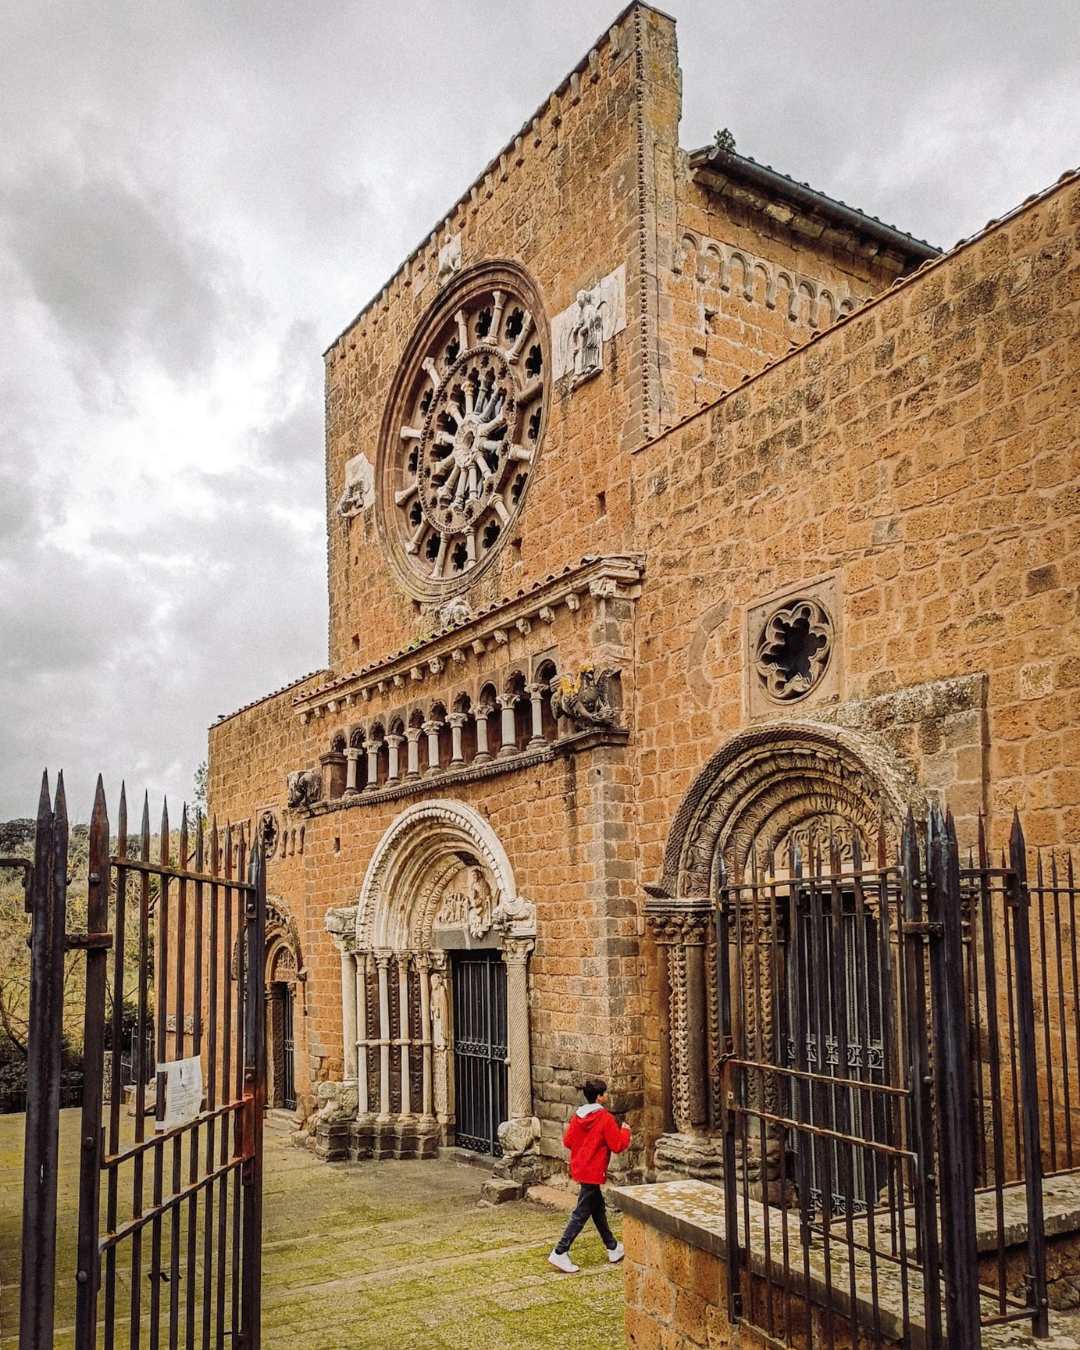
365,1256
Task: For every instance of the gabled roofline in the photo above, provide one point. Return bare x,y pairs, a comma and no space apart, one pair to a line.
746,169
609,35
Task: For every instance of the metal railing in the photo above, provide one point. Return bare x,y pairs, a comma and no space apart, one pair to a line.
899,1067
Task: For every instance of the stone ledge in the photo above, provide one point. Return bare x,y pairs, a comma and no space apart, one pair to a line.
693,1212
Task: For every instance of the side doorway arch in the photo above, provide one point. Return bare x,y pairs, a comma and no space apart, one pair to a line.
286,1086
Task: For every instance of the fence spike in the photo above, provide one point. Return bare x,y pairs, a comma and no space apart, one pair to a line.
199,842
984,858
1016,834
163,843
60,806
227,845
121,822
950,825
144,829
44,809
100,813
215,857
183,836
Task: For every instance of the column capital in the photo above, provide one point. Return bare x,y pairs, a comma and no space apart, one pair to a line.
516,951
394,740
432,728
413,733
457,719
680,919
383,956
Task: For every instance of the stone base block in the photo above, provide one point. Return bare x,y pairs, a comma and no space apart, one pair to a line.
497,1190
381,1137
332,1140
689,1155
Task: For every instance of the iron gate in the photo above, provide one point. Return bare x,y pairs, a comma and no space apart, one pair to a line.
859,1088
479,1049
170,1212
288,1076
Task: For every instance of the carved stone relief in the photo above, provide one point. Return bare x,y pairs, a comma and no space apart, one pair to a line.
579,332
304,788
359,487
586,699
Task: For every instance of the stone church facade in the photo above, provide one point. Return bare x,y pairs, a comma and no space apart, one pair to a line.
675,513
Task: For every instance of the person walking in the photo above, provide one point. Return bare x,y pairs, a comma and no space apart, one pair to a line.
592,1136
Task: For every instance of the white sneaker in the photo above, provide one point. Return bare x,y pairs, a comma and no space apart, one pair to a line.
561,1261
615,1253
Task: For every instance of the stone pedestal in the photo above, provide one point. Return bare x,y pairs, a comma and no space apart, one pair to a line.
689,1155
332,1140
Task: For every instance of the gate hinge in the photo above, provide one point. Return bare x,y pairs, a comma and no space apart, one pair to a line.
923,929
90,942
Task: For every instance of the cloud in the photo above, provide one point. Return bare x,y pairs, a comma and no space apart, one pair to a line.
195,198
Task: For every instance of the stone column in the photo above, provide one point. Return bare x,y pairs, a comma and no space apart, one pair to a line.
412,735
348,1014
360,996
393,772
352,769
382,962
483,754
507,703
403,1031
442,1090
516,954
431,730
373,765
681,926
423,965
457,721
536,697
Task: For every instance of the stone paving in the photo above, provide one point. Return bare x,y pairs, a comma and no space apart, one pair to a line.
374,1256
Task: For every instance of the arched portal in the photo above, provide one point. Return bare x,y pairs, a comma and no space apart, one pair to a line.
435,988
771,794
284,1008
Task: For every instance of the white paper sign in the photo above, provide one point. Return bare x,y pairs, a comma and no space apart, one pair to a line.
183,1091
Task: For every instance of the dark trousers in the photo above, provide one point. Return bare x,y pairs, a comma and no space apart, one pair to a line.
590,1205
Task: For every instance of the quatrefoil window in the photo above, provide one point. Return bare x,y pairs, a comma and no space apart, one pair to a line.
794,649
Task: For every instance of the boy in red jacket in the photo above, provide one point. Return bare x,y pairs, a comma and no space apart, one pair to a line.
592,1136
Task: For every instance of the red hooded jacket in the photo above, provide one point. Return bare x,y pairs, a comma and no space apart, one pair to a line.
592,1136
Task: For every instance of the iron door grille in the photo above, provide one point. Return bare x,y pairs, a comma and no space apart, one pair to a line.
288,1080
479,1049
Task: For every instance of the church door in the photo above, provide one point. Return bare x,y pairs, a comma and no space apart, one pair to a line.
480,1049
835,996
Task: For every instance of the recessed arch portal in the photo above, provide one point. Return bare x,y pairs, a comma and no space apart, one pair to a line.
773,781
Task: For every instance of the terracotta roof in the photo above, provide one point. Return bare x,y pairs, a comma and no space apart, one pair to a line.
747,169
225,717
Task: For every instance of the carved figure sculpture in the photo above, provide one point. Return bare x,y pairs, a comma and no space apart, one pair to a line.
440,1038
587,335
268,832
479,907
359,480
585,699
304,788
454,611
514,912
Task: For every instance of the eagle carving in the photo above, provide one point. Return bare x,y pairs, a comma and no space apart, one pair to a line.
587,699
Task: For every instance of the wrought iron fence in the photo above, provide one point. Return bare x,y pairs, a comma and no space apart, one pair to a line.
899,1072
170,1204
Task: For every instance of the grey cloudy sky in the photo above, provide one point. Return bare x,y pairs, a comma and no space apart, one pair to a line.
195,198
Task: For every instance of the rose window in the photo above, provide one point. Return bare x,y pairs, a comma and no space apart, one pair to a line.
464,428
793,650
